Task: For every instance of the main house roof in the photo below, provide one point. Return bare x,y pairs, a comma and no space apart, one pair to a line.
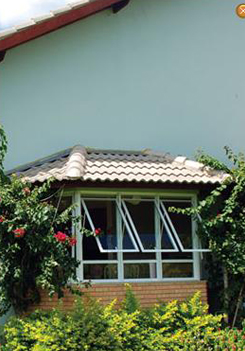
86,164
54,20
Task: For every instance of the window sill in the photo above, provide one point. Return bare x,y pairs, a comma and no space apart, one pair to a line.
150,280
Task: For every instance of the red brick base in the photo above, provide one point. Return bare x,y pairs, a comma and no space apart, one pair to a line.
147,293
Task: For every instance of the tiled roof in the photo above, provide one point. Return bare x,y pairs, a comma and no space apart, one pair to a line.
51,21
85,164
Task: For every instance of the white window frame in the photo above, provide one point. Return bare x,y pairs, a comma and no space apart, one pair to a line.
92,227
157,249
195,243
157,197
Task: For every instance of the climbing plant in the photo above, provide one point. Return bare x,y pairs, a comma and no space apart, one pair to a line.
3,150
222,224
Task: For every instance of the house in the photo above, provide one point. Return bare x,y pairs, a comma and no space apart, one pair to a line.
124,197
121,75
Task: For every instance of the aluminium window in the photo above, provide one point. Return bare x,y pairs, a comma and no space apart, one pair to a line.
140,239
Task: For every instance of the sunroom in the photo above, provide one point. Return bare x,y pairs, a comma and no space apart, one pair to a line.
125,198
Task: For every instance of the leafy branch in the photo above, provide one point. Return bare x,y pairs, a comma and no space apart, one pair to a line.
35,240
223,217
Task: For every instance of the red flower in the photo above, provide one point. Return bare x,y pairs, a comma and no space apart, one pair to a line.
2,219
97,231
72,241
19,232
61,237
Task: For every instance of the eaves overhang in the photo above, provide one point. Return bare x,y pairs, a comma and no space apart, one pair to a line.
54,20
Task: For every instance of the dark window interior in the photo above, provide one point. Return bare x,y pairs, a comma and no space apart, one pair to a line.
103,215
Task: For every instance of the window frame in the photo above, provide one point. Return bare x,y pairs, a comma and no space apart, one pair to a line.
92,227
98,193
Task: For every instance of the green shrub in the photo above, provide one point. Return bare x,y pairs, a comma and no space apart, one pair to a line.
85,329
130,303
175,326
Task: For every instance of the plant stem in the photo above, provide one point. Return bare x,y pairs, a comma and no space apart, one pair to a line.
239,300
226,295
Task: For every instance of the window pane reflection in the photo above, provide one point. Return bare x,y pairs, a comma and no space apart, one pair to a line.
139,270
143,216
177,270
100,271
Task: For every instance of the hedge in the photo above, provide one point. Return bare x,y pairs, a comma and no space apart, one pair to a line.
175,326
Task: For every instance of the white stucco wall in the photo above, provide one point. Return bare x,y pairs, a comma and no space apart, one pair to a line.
161,74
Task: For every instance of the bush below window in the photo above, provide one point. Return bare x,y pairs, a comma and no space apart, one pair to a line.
174,326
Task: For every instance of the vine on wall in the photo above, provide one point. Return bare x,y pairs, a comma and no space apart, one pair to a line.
223,225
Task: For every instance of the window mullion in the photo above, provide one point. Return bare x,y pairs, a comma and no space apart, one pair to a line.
195,242
158,241
120,267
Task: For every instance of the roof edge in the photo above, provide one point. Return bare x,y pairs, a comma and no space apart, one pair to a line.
143,166
38,162
54,20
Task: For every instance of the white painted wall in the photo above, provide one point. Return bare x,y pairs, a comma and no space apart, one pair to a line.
161,74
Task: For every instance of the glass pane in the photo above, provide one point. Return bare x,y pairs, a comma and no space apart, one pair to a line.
139,270
127,242
100,271
103,215
182,223
143,216
166,243
92,252
177,270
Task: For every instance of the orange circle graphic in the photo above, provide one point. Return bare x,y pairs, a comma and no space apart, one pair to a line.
240,10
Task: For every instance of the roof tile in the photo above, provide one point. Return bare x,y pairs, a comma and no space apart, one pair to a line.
61,10
41,18
24,25
108,165
78,3
6,32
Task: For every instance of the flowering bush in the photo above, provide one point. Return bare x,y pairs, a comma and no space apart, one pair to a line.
34,244
35,241
61,237
19,232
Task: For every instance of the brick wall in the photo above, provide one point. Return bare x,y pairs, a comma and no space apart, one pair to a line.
148,293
